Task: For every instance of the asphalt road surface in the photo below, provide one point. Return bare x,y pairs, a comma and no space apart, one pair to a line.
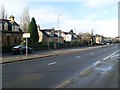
51,72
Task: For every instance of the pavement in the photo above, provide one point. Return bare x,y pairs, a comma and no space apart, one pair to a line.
41,54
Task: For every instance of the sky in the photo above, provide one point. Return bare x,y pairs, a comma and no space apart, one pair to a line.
101,16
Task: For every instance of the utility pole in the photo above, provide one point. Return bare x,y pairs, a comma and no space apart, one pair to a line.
58,28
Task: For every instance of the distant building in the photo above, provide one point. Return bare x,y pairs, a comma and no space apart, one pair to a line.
11,33
68,37
98,39
49,35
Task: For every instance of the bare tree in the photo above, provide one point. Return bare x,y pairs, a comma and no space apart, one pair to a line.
2,13
86,37
25,20
6,16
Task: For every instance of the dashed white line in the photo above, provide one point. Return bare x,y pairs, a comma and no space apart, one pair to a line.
78,57
52,63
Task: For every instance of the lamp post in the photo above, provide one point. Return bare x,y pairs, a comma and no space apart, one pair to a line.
58,28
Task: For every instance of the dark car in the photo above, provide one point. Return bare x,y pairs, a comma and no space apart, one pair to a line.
21,49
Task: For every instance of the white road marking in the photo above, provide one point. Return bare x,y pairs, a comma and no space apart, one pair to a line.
52,63
64,84
78,57
110,55
96,63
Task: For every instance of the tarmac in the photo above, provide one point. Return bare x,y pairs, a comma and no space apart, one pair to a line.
42,54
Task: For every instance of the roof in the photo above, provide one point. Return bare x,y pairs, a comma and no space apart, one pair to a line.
49,30
9,22
66,32
4,19
44,32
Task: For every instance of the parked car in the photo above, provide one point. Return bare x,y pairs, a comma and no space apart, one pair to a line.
21,49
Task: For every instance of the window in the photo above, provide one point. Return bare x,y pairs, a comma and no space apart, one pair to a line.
8,40
16,28
6,26
13,28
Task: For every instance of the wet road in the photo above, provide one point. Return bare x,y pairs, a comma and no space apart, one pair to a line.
50,72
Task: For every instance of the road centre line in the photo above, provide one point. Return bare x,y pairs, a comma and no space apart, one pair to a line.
52,63
110,55
78,57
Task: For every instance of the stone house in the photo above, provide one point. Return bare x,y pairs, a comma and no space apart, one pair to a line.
11,34
48,35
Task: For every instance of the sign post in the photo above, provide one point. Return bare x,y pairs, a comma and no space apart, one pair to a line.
26,35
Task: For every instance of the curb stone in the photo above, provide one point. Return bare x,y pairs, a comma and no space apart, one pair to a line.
30,58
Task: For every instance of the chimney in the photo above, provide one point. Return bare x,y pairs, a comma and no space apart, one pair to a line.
38,27
12,18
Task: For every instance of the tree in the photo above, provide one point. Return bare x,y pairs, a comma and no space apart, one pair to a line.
86,37
3,15
32,29
25,20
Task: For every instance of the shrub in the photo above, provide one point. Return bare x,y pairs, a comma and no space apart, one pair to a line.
39,46
6,49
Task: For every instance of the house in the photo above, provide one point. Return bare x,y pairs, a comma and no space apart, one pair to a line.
68,37
11,33
75,37
97,39
49,35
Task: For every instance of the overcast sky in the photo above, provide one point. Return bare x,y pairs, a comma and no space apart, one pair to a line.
79,15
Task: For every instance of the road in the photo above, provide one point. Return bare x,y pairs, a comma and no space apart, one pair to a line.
51,72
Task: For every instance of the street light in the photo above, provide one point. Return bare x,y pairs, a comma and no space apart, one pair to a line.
58,28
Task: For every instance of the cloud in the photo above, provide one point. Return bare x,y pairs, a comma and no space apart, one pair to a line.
103,27
13,7
47,16
107,27
100,3
43,15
